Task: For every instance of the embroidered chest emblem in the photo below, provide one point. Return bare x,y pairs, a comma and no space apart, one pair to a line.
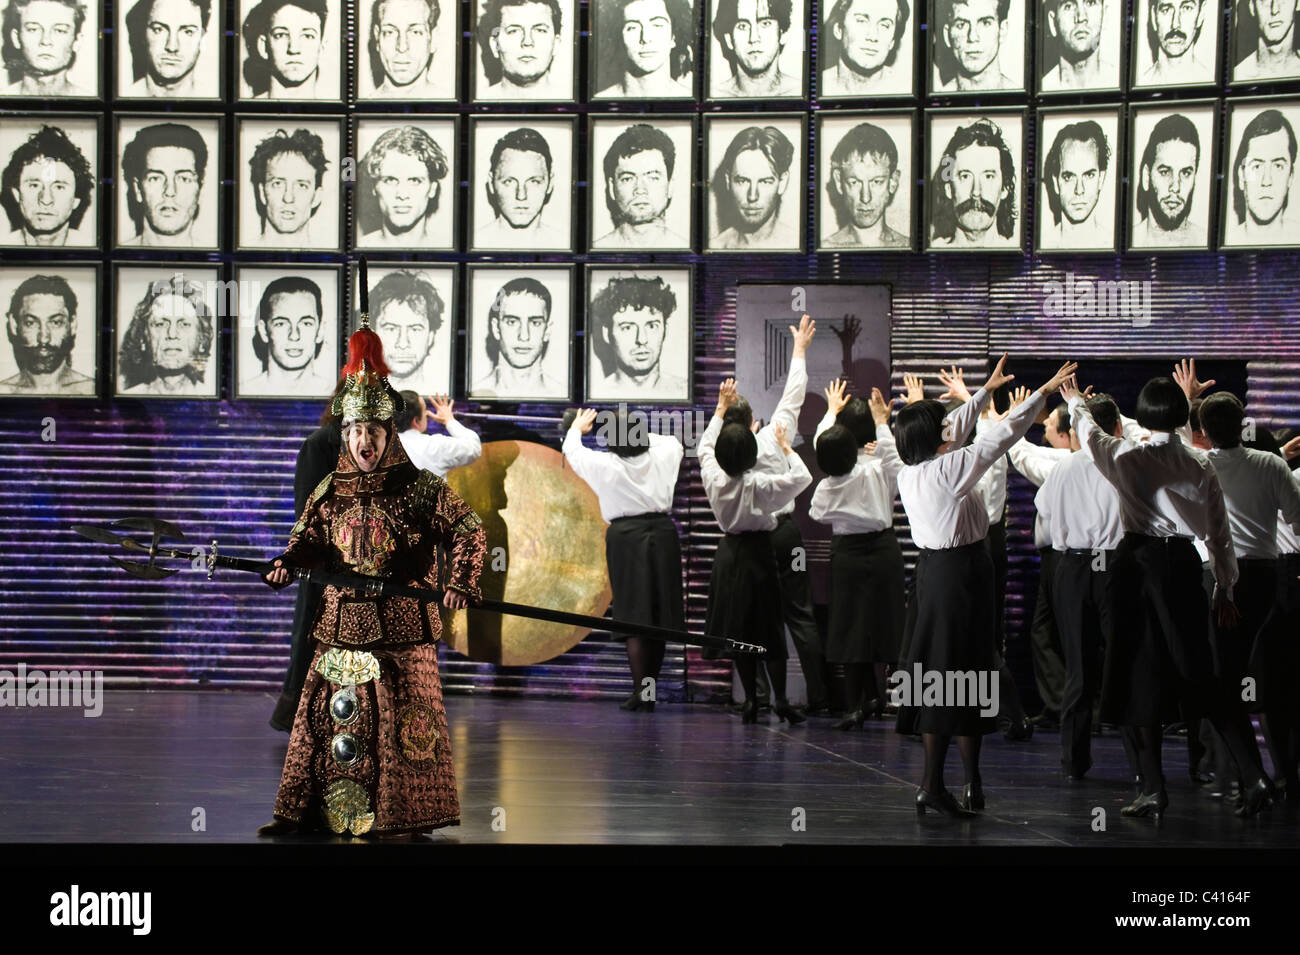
363,536
417,736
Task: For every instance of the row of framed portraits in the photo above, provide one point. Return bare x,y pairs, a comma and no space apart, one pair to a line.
646,50
287,330
523,178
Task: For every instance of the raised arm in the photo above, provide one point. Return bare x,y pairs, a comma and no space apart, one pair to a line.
796,379
1102,448
774,491
584,461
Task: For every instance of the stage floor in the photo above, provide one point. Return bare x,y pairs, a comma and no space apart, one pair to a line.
557,772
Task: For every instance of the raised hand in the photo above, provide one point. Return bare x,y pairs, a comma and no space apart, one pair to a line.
1291,448
998,377
778,432
836,398
879,407
803,335
1054,383
1070,388
955,382
913,389
1185,375
586,417
726,394
442,406
1018,397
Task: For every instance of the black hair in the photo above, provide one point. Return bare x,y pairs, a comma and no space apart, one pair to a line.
1221,417
566,422
837,450
739,412
1062,414
1161,405
736,450
1104,411
1194,414
1265,441
410,407
856,416
631,434
918,430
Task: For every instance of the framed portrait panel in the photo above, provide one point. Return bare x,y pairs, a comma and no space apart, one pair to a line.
974,180
52,50
408,50
407,176
1080,46
1265,43
290,50
639,334
1173,158
1079,173
288,175
525,51
169,172
757,49
52,320
643,49
519,334
641,172
521,183
171,49
166,321
1259,181
974,49
287,336
50,177
413,309
757,182
1175,43
865,177
867,48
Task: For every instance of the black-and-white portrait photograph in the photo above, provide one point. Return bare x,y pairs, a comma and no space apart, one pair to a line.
1265,41
864,180
288,173
51,318
1175,42
643,49
1172,176
522,183
642,170
1257,189
977,45
168,174
520,327
639,335
757,49
866,48
51,49
290,50
49,185
170,49
524,50
757,183
406,183
974,192
1078,182
413,310
165,328
407,50
287,337
1079,45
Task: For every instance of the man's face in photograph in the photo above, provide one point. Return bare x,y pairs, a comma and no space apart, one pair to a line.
173,332
405,39
867,186
403,189
974,34
169,189
755,39
521,185
292,44
637,335
976,187
47,195
403,328
522,328
647,35
292,329
47,36
640,187
1172,177
1276,18
42,333
1078,185
174,36
867,34
1265,175
1078,27
755,188
1175,23
525,42
290,192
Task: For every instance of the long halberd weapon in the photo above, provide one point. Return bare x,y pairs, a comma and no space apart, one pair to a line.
363,584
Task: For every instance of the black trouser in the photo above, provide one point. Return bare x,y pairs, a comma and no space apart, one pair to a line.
1083,600
1012,710
1045,640
797,611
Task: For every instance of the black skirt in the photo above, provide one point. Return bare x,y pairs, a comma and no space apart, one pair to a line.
866,612
644,556
744,595
950,627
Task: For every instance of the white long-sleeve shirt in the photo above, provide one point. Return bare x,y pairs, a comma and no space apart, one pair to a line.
1256,487
862,501
1036,462
641,484
770,458
751,501
1164,489
440,453
1078,509
940,495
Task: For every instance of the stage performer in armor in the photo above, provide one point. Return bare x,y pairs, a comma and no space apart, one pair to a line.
370,752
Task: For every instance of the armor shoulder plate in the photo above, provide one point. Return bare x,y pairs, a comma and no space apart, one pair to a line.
426,493
320,491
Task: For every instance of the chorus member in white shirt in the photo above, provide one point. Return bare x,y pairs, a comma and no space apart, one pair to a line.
634,480
951,615
439,453
857,500
1161,668
1282,717
743,589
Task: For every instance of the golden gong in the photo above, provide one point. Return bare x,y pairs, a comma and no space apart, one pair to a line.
547,522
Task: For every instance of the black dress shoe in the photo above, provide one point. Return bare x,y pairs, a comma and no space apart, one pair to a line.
1201,779
1046,721
632,703
1076,773
785,711
749,712
942,802
853,721
1019,731
1259,796
1148,804
972,797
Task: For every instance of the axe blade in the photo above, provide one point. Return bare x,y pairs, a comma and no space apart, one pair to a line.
145,571
162,530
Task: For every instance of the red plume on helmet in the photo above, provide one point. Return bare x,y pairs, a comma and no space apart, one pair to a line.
364,345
